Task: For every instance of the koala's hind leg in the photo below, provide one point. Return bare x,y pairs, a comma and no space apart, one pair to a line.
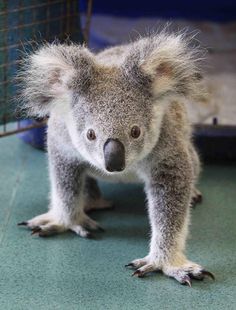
93,199
196,194
196,197
66,210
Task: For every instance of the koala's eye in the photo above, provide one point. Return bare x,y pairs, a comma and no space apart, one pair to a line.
135,132
91,134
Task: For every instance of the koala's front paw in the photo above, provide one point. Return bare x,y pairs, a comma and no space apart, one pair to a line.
183,272
46,225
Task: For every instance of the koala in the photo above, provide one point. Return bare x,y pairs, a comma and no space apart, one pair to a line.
119,115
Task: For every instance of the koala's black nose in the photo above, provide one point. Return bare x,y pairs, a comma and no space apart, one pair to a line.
114,154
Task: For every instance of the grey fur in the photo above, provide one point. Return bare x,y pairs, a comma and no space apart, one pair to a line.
142,83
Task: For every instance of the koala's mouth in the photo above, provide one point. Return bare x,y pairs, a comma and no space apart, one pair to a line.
114,155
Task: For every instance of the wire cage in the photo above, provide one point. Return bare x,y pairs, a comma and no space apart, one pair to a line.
22,24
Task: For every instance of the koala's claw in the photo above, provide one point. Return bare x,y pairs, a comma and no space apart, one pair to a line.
22,224
35,230
46,230
187,280
185,274
130,265
201,275
137,263
207,273
138,273
142,271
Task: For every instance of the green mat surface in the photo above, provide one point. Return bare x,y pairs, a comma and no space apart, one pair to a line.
68,272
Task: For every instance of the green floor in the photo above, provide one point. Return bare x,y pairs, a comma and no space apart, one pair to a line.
67,272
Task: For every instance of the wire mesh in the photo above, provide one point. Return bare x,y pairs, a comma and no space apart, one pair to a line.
22,25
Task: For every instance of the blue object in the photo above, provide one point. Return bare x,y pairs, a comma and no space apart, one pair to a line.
36,136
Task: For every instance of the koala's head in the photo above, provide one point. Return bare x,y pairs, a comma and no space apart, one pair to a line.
112,103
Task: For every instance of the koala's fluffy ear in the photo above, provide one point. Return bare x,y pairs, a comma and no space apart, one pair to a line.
168,63
50,74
